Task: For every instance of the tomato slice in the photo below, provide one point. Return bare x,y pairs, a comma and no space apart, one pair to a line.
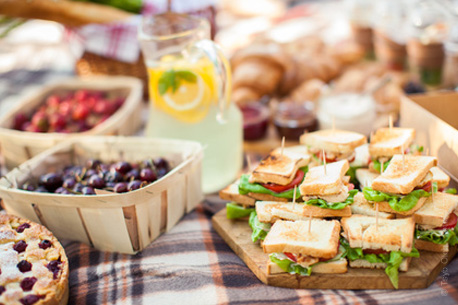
375,251
450,223
319,155
281,188
351,186
291,256
426,187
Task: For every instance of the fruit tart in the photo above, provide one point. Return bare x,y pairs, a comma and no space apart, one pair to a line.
33,264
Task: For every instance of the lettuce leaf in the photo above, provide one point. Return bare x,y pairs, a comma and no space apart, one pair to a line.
352,173
397,203
290,266
334,206
234,211
260,229
392,259
246,187
377,165
440,237
451,191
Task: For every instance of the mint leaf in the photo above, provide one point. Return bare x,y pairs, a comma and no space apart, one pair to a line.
165,81
186,75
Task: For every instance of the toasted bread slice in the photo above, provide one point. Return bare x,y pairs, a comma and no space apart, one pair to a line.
400,178
362,263
430,246
390,235
231,193
436,213
287,236
280,169
271,211
384,206
361,206
440,177
316,182
266,197
333,140
318,212
387,142
365,177
339,266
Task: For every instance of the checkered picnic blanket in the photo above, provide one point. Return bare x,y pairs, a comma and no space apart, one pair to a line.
191,264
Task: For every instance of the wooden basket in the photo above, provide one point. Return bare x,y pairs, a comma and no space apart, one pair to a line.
18,146
124,223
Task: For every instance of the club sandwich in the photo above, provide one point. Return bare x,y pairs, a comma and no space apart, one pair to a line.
404,186
296,250
382,244
436,221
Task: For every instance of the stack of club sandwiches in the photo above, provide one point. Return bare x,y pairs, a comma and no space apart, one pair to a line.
307,215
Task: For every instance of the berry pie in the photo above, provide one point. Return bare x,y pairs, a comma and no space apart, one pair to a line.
33,264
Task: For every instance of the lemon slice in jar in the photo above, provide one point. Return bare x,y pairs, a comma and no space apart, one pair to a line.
187,96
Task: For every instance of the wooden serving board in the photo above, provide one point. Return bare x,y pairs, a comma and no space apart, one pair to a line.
237,234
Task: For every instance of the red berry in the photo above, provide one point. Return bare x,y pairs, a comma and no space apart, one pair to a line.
45,244
30,299
19,120
66,107
2,289
81,112
53,101
81,95
40,120
57,121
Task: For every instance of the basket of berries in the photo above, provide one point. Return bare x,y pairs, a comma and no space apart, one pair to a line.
115,193
74,107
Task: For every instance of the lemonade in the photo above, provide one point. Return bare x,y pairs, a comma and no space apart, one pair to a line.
184,99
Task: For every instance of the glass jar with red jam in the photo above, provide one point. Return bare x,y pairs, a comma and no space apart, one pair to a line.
292,119
255,121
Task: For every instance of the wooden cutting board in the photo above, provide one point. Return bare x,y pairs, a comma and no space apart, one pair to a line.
237,234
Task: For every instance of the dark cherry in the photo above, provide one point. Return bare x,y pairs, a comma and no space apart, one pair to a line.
93,163
113,177
28,282
41,189
110,184
161,163
69,183
62,190
2,289
133,174
148,163
120,187
87,190
51,181
30,299
161,172
96,182
22,227
45,244
89,173
24,266
123,167
147,174
134,185
78,188
28,187
54,267
20,246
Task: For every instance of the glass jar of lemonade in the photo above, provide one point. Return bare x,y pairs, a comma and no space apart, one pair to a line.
189,89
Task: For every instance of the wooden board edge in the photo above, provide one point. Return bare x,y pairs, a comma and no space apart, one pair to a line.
373,279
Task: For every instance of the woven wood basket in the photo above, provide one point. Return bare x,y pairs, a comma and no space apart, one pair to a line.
91,64
124,223
19,146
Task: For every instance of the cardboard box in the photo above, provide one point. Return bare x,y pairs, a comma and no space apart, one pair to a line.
435,118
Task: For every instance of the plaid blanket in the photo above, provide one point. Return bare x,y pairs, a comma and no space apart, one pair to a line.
191,264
